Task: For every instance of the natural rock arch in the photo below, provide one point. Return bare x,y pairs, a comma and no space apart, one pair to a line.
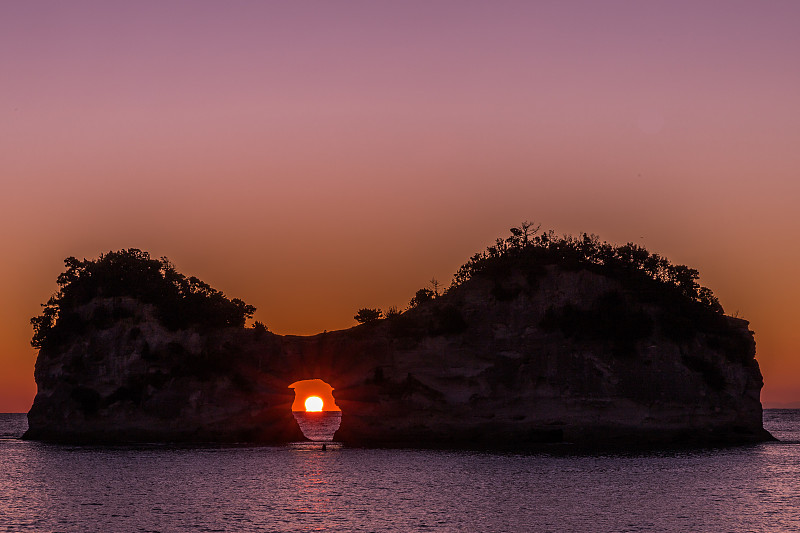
569,339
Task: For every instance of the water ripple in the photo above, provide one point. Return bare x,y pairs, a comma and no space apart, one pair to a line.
301,488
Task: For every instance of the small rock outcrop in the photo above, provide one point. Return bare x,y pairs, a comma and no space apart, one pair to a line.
511,356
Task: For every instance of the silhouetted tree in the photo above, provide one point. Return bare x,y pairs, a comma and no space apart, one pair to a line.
530,251
422,296
259,328
434,285
365,315
179,302
520,236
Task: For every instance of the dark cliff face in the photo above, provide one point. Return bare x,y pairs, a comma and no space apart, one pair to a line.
570,356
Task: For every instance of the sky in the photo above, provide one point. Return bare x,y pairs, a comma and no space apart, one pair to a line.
313,158
306,388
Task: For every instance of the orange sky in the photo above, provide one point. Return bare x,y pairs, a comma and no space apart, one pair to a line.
313,387
314,158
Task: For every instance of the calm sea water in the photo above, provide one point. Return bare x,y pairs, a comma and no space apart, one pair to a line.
302,488
320,426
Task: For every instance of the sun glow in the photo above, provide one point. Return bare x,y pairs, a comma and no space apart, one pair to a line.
314,404
306,388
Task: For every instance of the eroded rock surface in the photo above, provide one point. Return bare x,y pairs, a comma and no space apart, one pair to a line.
570,356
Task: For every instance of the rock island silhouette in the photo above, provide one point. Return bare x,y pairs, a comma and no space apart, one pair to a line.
539,340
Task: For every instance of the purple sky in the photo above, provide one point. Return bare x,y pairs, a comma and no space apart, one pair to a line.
317,157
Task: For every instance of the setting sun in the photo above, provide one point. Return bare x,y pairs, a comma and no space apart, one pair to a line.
307,388
314,403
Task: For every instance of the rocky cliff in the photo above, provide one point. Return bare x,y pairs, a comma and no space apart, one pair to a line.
505,360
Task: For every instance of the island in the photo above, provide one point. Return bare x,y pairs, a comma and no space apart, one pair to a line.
540,340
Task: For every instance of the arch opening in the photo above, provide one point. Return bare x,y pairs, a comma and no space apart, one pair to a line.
315,410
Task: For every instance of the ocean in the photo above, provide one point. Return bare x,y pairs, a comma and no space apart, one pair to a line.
300,487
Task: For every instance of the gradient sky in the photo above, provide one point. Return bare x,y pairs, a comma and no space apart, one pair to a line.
312,158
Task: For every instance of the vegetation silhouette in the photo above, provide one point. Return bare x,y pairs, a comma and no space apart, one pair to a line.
365,315
534,316
530,250
656,296
421,296
180,302
260,328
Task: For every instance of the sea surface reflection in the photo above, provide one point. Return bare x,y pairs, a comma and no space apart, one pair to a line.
302,488
318,426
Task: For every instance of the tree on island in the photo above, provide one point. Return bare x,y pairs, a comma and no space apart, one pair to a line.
421,296
392,312
529,250
260,328
434,286
365,315
180,302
